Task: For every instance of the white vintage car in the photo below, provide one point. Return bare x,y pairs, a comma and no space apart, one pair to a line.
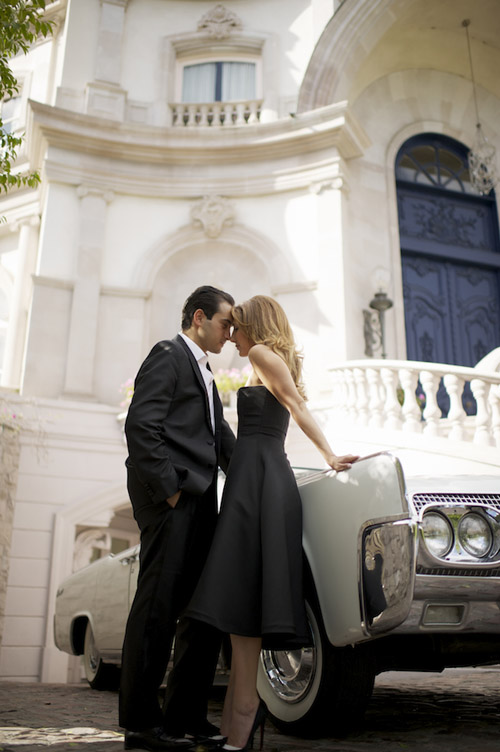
400,576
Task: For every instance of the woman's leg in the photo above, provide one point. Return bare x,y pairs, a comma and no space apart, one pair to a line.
228,707
242,694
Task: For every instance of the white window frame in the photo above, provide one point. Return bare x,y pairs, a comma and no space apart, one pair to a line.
215,57
22,94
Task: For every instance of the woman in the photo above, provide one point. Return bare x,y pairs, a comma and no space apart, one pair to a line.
251,586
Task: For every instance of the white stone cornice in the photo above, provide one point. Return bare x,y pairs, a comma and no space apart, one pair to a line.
293,287
60,284
121,3
125,292
162,182
22,215
85,190
337,183
241,41
333,128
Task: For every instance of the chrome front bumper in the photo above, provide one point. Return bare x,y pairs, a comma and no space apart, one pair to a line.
453,603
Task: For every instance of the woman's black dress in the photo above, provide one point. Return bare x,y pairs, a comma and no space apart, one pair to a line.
252,581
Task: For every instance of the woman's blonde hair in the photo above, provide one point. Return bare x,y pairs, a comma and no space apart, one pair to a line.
264,321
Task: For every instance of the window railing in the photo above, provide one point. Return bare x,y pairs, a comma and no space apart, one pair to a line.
216,113
403,395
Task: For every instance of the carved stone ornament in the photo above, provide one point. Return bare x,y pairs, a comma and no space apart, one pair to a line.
86,542
212,213
219,22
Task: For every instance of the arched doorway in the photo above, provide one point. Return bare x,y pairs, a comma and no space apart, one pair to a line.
450,254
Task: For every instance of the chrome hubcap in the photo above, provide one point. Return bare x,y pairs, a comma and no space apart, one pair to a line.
290,672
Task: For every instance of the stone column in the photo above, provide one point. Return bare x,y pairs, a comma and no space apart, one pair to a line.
85,304
331,195
18,317
105,97
9,466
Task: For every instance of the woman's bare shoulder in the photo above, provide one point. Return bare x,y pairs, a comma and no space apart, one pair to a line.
261,355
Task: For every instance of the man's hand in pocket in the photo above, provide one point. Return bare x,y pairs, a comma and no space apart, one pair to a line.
172,500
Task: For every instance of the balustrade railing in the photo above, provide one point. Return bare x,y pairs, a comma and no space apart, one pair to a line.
216,113
403,395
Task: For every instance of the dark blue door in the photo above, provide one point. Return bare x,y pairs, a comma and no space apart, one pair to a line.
450,255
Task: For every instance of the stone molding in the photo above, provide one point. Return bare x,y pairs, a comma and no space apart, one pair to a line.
294,287
43,281
219,22
284,155
337,183
278,264
329,128
120,3
85,190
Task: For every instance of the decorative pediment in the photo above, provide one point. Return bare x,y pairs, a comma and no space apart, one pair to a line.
212,213
219,22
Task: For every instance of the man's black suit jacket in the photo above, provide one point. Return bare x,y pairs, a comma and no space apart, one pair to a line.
169,433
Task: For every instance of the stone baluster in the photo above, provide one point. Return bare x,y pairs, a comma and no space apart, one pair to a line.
253,116
456,415
338,391
351,394
228,113
240,113
392,408
191,109
217,113
178,115
376,399
361,397
410,410
432,412
203,114
494,403
480,391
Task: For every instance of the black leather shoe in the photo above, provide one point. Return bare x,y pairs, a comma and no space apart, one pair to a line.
155,739
207,735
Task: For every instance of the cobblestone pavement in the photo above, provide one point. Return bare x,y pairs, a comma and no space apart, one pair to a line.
458,710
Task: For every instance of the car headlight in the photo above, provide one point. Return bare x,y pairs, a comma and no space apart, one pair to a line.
475,535
437,533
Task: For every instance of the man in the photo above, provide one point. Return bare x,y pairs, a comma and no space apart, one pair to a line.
176,438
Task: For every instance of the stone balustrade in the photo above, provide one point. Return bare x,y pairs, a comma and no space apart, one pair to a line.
383,394
216,113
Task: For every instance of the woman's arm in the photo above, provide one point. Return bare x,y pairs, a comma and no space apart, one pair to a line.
275,375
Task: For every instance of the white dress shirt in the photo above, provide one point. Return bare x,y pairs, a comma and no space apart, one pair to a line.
207,376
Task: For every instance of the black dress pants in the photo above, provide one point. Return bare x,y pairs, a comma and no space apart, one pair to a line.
174,546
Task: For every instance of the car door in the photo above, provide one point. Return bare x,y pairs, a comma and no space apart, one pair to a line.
115,590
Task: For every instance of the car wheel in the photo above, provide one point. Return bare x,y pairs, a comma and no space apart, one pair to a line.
99,675
317,689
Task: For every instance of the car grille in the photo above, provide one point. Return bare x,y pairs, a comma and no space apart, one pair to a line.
456,572
422,500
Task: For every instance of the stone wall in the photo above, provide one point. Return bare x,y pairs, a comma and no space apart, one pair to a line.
9,466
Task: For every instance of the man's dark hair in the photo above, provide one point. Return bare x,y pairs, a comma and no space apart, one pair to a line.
208,299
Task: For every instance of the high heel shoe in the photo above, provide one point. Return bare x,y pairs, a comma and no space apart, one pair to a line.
258,721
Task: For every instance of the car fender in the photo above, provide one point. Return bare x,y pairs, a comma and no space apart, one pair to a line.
360,542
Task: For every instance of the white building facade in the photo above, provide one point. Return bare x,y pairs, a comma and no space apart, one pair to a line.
311,150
